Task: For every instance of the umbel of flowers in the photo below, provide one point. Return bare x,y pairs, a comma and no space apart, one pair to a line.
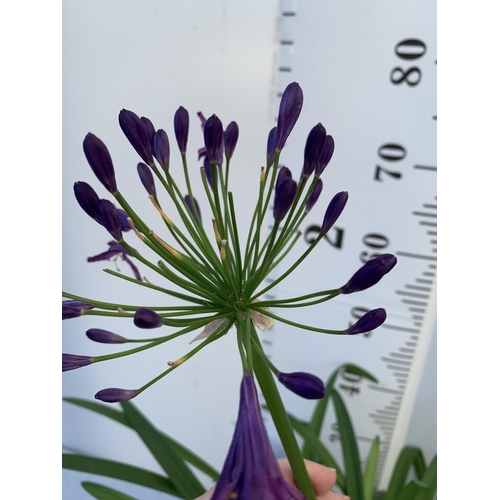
219,280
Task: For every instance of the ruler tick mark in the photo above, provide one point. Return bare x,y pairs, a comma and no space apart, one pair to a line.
401,328
425,223
424,167
416,287
424,214
416,255
412,294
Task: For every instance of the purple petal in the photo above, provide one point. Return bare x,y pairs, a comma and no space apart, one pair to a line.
272,143
181,128
303,384
109,219
73,361
147,179
325,156
334,210
314,195
283,199
314,147
290,108
369,274
137,134
371,320
230,139
213,135
99,159
115,395
146,318
162,149
87,199
104,336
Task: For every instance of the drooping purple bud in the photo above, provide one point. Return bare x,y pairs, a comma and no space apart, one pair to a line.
208,172
87,199
303,384
104,336
325,156
123,216
110,219
114,395
315,144
369,274
74,308
135,131
181,128
283,174
290,107
230,139
73,361
283,198
162,149
333,211
213,135
146,178
146,318
99,159
192,208
150,131
314,195
272,143
371,320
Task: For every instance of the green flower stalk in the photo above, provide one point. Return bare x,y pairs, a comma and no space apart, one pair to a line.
218,280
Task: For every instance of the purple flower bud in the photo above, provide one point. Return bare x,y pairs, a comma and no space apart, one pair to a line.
369,321
272,143
110,219
137,134
99,159
208,172
370,274
74,308
303,384
104,336
314,147
187,199
150,131
114,395
181,128
73,361
283,198
146,178
213,135
230,139
283,174
314,195
87,199
146,318
290,107
162,149
333,211
123,216
325,156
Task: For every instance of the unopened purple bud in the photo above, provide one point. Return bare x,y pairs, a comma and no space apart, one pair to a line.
290,107
73,361
74,308
272,143
146,318
303,384
314,195
135,131
110,219
146,177
114,395
230,139
162,149
181,128
333,211
123,217
208,172
314,147
370,274
283,198
99,159
150,131
368,322
213,135
87,199
325,156
192,208
283,174
104,336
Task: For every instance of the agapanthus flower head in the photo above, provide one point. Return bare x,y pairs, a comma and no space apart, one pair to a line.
74,308
99,159
368,322
115,395
230,139
283,199
147,179
335,208
314,147
369,274
251,470
303,384
73,361
146,318
162,149
105,336
213,134
272,144
137,134
325,156
181,128
110,219
289,112
314,195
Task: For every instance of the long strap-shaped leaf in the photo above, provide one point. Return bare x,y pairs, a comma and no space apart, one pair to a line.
429,478
412,489
102,492
371,469
409,456
181,475
350,450
118,470
119,416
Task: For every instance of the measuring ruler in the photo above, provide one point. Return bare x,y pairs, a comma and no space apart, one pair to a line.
368,73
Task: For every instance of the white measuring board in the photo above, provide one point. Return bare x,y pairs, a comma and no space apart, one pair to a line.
368,72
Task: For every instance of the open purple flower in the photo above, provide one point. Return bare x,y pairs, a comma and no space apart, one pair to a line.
251,470
116,250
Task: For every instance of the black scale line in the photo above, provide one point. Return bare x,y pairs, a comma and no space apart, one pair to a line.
412,294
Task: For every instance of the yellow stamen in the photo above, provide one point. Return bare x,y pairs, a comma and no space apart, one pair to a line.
136,231
162,213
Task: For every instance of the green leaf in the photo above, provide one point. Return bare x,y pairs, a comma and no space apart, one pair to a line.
350,450
409,456
429,478
357,370
371,469
412,489
104,492
319,448
181,475
119,470
119,416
